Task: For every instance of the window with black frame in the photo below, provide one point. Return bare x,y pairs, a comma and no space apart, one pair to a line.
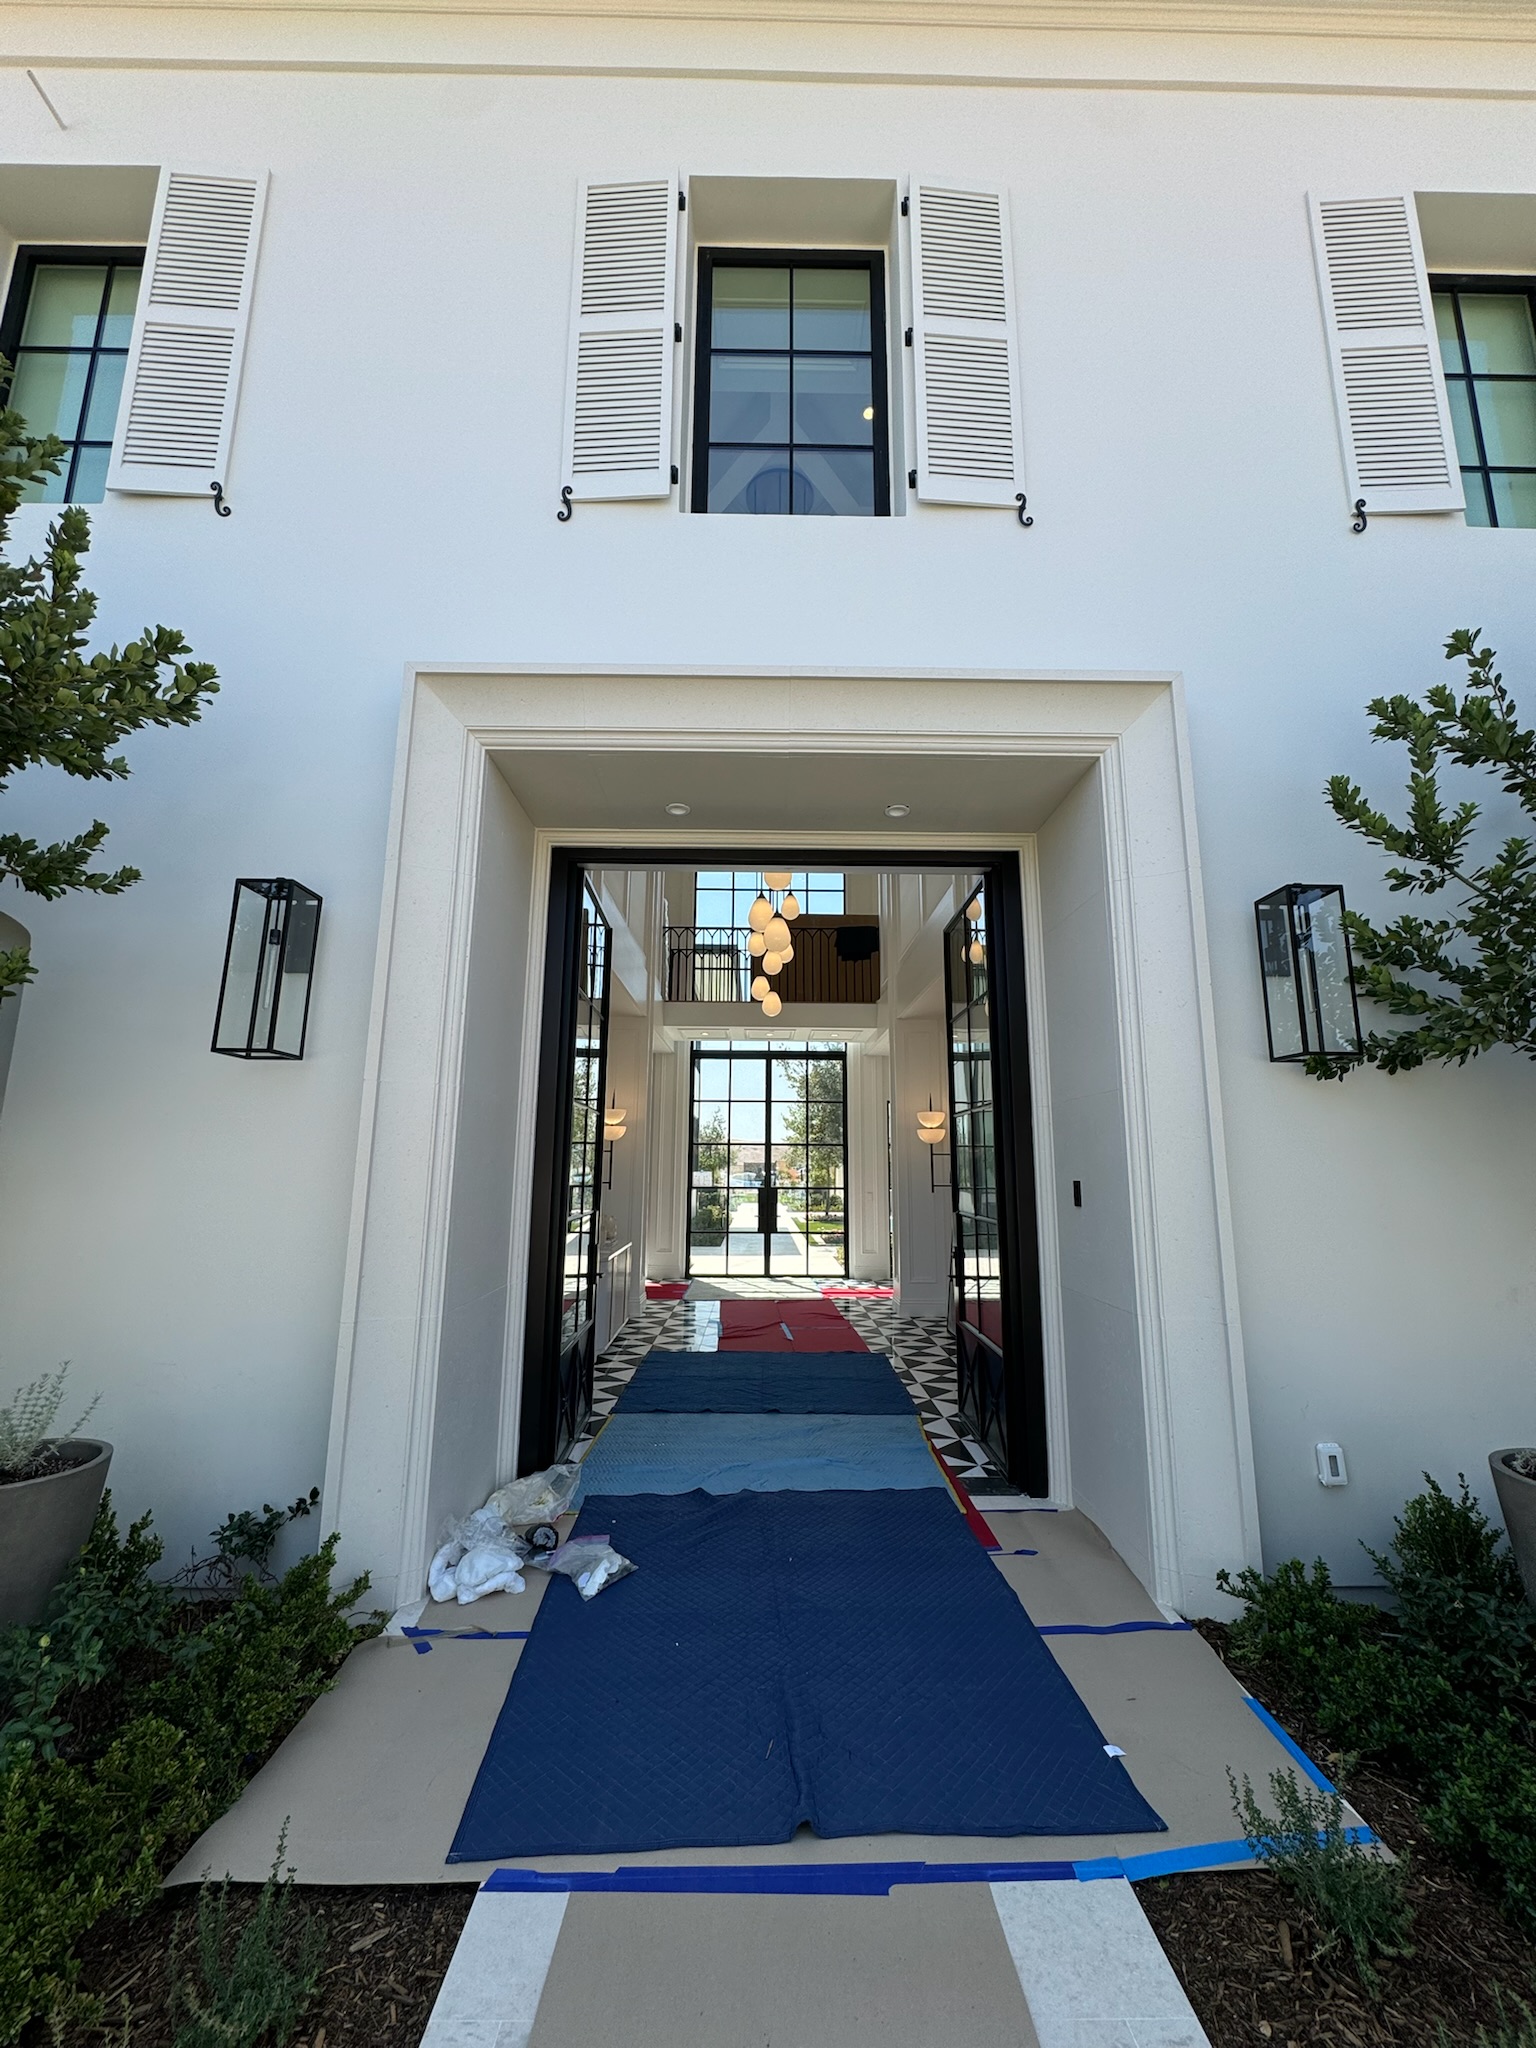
790,413
1487,329
65,330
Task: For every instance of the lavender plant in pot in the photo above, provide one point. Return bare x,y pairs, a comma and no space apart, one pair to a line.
50,1488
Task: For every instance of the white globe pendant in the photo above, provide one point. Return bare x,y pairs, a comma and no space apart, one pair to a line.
776,932
759,987
772,1004
790,907
760,913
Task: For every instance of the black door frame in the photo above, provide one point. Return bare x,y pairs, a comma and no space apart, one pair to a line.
1029,1466
769,1187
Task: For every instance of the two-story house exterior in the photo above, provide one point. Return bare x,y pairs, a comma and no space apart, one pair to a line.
913,431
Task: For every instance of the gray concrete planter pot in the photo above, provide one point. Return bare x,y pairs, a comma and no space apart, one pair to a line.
1517,1504
43,1526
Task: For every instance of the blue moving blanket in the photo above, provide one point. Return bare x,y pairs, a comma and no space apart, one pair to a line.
765,1382
758,1454
851,1660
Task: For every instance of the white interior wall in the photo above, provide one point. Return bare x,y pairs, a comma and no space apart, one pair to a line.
1106,1414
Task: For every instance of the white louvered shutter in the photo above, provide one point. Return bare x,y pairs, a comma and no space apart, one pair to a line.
1394,421
178,408
965,352
618,400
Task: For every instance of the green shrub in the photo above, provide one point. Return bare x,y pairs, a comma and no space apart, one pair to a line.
127,1723
1443,1689
1357,1896
256,1972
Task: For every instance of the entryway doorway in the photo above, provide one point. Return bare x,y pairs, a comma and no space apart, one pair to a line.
768,1162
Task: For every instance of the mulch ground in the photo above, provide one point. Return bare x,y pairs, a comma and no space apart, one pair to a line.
1248,1956
387,1948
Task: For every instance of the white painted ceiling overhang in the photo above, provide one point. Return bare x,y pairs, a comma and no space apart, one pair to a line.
742,794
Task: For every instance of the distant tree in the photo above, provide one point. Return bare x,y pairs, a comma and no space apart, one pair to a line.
58,704
1467,978
814,1118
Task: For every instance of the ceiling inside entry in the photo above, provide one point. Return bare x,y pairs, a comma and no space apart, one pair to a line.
779,794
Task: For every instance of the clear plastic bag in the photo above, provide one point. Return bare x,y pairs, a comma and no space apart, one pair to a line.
476,1556
590,1560
540,1497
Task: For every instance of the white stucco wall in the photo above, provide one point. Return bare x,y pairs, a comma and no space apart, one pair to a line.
176,1224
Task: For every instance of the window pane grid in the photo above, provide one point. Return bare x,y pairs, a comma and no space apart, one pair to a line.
790,402
67,331
1487,329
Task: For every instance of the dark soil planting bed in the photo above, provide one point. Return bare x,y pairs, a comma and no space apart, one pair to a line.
387,1948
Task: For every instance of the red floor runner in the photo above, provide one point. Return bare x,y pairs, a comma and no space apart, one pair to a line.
797,1325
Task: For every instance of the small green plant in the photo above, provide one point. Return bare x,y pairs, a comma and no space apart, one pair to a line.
26,1427
242,1544
1515,2026
256,1972
1359,1898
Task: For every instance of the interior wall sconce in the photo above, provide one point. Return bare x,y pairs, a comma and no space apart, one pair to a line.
269,961
930,1131
1310,1007
614,1127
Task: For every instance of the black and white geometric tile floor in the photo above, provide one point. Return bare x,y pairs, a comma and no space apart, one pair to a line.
921,1351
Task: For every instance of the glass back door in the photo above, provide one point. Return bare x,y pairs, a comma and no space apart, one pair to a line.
768,1163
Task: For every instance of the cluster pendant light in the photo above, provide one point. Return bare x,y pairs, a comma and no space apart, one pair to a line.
976,951
769,940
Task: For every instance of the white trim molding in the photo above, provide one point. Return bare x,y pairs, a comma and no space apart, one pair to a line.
413,1404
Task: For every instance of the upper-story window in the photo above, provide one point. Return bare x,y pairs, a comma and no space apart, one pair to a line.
1487,329
67,324
723,896
790,393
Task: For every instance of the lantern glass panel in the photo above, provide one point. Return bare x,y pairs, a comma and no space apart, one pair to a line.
1277,959
268,966
1309,987
1328,986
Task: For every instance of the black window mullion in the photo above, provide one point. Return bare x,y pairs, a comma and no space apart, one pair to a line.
1485,478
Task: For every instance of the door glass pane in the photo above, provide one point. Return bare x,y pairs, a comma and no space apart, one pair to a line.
749,307
64,305
832,308
1499,332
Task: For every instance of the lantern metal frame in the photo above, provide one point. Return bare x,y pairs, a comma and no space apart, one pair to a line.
290,923
1285,917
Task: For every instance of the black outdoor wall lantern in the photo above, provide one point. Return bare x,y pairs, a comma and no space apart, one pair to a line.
268,966
1309,981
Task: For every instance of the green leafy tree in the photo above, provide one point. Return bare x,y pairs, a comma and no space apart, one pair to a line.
59,704
1466,978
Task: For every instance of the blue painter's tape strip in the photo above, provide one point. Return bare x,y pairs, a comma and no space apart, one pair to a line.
843,1880
469,1635
1292,1749
1111,1628
422,1649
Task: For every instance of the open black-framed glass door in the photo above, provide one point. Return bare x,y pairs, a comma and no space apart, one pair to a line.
560,1346
995,1247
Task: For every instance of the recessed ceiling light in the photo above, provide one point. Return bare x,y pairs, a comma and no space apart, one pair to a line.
678,810
897,810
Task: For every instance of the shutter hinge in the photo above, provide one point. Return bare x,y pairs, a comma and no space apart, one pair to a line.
675,476
682,200
677,330
911,479
565,504
906,206
1359,523
1026,517
908,337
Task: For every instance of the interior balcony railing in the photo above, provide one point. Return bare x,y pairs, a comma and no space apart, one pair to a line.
836,960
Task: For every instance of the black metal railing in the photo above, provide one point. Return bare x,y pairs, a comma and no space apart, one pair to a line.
836,960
